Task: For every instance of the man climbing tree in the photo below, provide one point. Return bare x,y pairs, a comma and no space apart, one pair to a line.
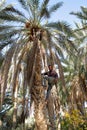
52,77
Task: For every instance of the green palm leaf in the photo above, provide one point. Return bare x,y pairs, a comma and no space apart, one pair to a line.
11,9
9,17
24,4
44,10
34,8
34,3
59,51
80,15
5,27
4,44
55,7
2,4
61,26
84,10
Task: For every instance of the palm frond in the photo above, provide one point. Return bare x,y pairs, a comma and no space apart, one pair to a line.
55,7
2,4
44,13
72,45
67,46
45,3
5,43
34,3
47,14
10,34
4,27
9,17
59,51
11,9
8,28
80,15
61,26
34,8
17,64
81,39
24,4
56,46
80,29
61,72
44,9
84,10
5,69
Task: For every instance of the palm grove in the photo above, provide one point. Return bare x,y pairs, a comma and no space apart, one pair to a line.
28,43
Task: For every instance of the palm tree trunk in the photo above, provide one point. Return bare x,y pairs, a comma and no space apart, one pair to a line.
50,107
38,96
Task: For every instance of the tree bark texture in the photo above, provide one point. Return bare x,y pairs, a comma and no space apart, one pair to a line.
37,95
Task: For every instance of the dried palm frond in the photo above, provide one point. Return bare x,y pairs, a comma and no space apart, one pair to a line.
5,70
77,94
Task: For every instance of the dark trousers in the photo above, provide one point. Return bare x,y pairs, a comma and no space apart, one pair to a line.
48,90
50,84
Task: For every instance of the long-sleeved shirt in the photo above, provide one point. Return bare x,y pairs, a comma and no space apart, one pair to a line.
51,73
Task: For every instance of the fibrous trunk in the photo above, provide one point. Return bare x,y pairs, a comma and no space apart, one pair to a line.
37,94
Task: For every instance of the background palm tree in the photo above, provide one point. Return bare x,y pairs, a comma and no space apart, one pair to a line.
75,65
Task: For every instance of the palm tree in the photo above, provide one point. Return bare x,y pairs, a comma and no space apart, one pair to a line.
25,33
81,34
75,68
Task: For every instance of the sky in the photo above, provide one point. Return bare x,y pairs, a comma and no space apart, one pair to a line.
63,12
